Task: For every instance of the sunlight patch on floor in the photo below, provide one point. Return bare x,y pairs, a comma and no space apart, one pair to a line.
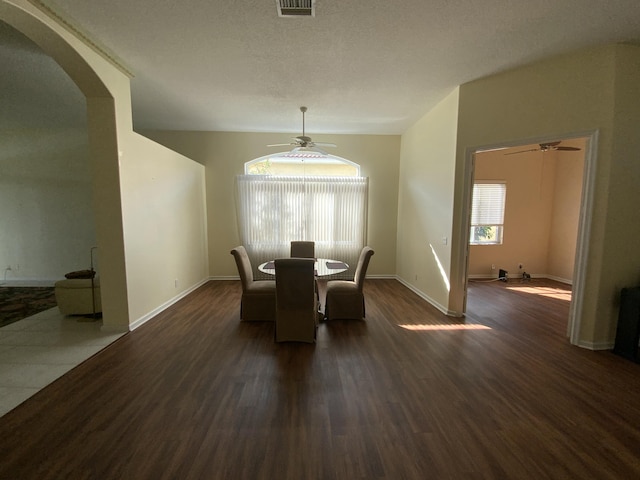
447,326
550,292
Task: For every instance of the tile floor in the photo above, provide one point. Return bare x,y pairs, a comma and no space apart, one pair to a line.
37,350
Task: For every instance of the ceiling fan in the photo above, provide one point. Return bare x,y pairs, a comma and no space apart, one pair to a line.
546,147
302,143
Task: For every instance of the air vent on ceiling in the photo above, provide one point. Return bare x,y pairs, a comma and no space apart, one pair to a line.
296,8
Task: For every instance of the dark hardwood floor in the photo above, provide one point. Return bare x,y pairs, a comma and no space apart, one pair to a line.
407,394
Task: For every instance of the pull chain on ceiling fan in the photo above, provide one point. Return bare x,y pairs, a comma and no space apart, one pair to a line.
302,143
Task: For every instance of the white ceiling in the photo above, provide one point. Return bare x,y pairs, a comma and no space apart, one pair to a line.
361,66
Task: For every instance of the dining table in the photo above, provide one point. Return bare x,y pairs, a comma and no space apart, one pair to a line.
324,267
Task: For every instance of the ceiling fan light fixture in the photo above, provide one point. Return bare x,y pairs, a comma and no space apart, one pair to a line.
545,147
296,8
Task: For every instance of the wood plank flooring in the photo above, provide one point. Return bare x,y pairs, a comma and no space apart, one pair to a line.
407,394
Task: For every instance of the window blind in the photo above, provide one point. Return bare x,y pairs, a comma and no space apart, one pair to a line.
488,204
274,210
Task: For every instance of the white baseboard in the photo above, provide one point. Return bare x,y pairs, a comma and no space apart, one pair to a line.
483,278
145,318
426,297
519,276
596,345
568,281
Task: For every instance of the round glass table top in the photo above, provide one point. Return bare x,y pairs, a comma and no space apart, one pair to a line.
324,267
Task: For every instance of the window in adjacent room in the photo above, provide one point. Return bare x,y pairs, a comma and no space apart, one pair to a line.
487,213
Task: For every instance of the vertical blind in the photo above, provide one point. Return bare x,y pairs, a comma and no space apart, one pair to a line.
488,204
274,210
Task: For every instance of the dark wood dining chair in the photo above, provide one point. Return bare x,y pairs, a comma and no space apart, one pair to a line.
303,249
258,296
296,300
345,298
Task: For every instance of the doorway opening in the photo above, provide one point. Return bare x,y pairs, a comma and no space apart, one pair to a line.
545,215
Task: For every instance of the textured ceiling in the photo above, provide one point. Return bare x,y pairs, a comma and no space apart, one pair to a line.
361,66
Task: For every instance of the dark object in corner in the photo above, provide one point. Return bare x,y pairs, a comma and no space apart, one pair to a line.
80,274
628,331
503,275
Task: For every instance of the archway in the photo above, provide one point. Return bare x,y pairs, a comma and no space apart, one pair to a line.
57,41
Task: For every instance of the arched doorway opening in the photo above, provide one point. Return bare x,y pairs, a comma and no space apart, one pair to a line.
65,49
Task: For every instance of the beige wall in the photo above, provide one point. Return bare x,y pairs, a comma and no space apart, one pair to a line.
592,90
425,204
164,212
620,266
46,215
541,213
529,201
130,182
225,153
565,218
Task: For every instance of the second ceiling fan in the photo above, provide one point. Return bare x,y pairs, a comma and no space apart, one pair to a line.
546,147
302,143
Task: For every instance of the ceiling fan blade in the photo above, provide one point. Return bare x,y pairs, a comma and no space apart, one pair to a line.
303,141
567,149
523,151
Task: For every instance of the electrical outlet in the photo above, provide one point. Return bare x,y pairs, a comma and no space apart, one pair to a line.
520,266
493,266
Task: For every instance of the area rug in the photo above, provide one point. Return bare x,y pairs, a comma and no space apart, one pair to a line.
17,303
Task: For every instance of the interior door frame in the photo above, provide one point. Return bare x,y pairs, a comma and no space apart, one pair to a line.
584,221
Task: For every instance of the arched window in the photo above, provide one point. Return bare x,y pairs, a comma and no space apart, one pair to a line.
302,163
302,196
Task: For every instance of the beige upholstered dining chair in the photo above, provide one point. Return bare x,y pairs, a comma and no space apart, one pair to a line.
345,299
302,249
258,296
296,300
